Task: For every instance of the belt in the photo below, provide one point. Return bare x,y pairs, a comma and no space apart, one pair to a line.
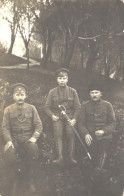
21,131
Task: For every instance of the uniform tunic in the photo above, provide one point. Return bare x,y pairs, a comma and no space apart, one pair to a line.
97,116
21,123
65,96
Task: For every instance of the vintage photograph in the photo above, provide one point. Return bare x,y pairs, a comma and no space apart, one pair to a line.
61,97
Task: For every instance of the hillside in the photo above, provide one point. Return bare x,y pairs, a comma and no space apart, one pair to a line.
10,59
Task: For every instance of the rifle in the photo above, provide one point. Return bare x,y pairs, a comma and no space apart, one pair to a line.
63,112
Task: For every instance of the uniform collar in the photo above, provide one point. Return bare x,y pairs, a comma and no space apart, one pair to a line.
20,106
96,102
62,87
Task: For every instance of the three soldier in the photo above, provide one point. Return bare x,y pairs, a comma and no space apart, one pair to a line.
22,126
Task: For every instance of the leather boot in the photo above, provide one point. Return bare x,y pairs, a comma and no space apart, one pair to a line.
102,160
13,183
101,163
14,188
59,148
71,146
31,182
32,175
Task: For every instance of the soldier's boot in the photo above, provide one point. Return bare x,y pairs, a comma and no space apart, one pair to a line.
101,163
14,188
33,171
59,149
71,146
14,183
31,181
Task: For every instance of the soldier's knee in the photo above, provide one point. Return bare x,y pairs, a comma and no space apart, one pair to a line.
70,134
58,133
10,156
32,150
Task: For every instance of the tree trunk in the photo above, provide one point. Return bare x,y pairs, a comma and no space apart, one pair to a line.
12,43
44,45
69,54
43,60
70,44
27,54
92,58
47,48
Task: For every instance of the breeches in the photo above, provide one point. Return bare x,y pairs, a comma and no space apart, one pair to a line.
98,147
59,127
27,150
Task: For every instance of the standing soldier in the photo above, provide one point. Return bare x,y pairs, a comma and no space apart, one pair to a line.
21,128
97,123
67,97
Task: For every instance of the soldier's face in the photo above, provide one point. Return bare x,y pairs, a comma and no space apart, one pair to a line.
95,95
19,97
62,80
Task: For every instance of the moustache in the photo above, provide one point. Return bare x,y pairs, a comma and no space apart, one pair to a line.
94,97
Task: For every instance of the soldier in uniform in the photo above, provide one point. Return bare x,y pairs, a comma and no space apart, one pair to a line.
21,129
66,96
97,123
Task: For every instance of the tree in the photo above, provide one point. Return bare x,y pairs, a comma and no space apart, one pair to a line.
11,15
25,26
45,25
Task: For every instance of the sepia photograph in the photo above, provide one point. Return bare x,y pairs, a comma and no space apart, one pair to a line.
61,97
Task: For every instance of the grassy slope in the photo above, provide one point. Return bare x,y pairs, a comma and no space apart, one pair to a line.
77,79
10,59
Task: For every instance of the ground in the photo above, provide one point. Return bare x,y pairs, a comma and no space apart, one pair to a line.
67,180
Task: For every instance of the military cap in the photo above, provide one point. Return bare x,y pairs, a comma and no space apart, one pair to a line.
61,72
19,87
95,86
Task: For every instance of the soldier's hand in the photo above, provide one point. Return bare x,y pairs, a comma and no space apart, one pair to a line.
32,139
88,139
8,145
99,132
72,122
55,118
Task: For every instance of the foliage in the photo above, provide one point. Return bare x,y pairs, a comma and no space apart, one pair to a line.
10,13
96,28
3,48
90,31
4,95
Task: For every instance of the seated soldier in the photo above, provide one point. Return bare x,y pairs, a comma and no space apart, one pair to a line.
21,128
97,123
66,96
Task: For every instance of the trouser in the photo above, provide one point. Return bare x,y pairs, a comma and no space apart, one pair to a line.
99,150
58,129
26,150
15,158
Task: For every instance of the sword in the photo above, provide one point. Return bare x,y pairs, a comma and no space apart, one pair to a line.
63,112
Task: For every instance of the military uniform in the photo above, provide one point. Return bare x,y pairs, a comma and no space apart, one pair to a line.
97,116
21,123
67,97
